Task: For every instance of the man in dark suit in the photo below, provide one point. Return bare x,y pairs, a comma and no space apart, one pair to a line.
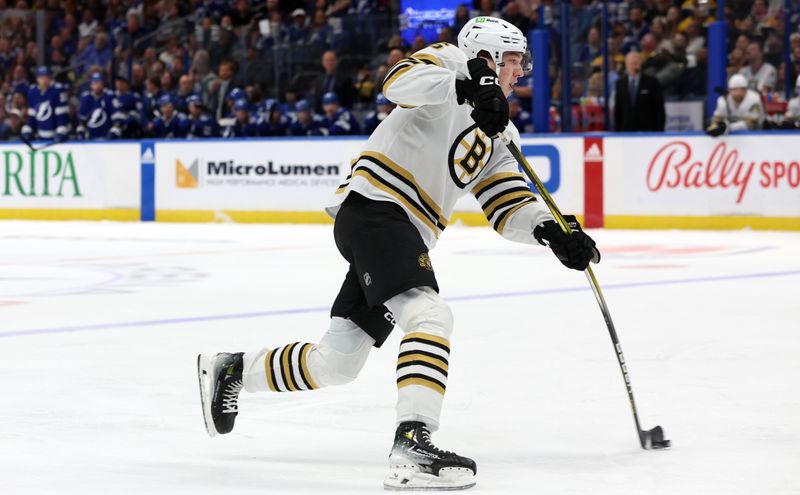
639,100
334,81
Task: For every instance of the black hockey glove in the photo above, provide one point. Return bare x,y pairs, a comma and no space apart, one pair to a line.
574,250
483,91
717,129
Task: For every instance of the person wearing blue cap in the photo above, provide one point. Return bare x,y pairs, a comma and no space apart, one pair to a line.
171,123
201,124
95,112
244,124
383,107
48,108
337,120
235,95
305,122
127,110
272,122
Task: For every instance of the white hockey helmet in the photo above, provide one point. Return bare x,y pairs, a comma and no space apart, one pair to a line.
797,83
496,37
737,81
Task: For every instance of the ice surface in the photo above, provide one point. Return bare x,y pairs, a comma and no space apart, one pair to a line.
101,323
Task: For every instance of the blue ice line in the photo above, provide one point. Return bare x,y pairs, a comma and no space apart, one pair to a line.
472,297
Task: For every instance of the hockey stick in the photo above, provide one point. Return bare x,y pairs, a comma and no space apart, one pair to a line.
649,439
40,148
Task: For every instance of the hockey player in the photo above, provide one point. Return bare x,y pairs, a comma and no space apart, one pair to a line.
383,107
389,212
244,124
272,122
741,109
96,110
337,121
201,124
170,124
305,123
127,110
791,119
48,109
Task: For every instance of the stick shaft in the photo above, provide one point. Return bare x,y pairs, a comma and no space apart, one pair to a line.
598,294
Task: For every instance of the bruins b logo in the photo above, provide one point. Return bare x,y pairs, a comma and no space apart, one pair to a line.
468,155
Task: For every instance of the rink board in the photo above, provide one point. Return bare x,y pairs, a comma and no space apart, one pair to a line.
616,181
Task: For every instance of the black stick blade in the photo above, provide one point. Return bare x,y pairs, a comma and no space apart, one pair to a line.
654,439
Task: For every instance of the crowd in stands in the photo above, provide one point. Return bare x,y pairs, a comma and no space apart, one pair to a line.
231,68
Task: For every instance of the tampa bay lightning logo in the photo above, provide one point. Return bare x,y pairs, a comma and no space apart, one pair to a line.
98,118
44,112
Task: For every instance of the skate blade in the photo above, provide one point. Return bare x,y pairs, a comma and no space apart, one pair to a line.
410,480
205,375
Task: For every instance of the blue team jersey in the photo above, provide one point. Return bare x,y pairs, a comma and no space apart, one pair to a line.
268,128
175,127
128,114
237,129
312,128
203,127
48,112
343,123
95,114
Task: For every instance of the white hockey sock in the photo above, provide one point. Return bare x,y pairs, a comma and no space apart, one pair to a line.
283,369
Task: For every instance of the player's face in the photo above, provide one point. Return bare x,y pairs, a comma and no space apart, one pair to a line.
97,87
738,94
43,81
510,72
330,109
167,110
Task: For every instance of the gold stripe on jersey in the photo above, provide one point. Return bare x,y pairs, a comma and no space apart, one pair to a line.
412,207
506,198
397,70
428,57
500,224
494,180
270,372
439,342
286,368
422,381
426,200
304,367
437,362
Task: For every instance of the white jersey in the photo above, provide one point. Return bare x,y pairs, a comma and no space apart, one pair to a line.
793,110
750,110
766,75
429,152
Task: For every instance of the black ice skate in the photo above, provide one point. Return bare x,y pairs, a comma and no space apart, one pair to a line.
220,378
416,464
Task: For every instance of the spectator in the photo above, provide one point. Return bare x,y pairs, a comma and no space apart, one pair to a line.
486,8
694,38
47,109
138,79
639,101
520,118
185,90
757,73
512,14
365,86
88,26
462,16
580,23
100,52
337,121
305,122
735,62
170,124
96,111
321,35
219,88
334,81
127,110
637,27
299,31
383,107
741,109
200,123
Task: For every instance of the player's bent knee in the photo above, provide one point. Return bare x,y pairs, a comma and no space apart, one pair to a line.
340,355
422,309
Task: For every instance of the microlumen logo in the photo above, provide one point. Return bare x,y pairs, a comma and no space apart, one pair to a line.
39,174
186,177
